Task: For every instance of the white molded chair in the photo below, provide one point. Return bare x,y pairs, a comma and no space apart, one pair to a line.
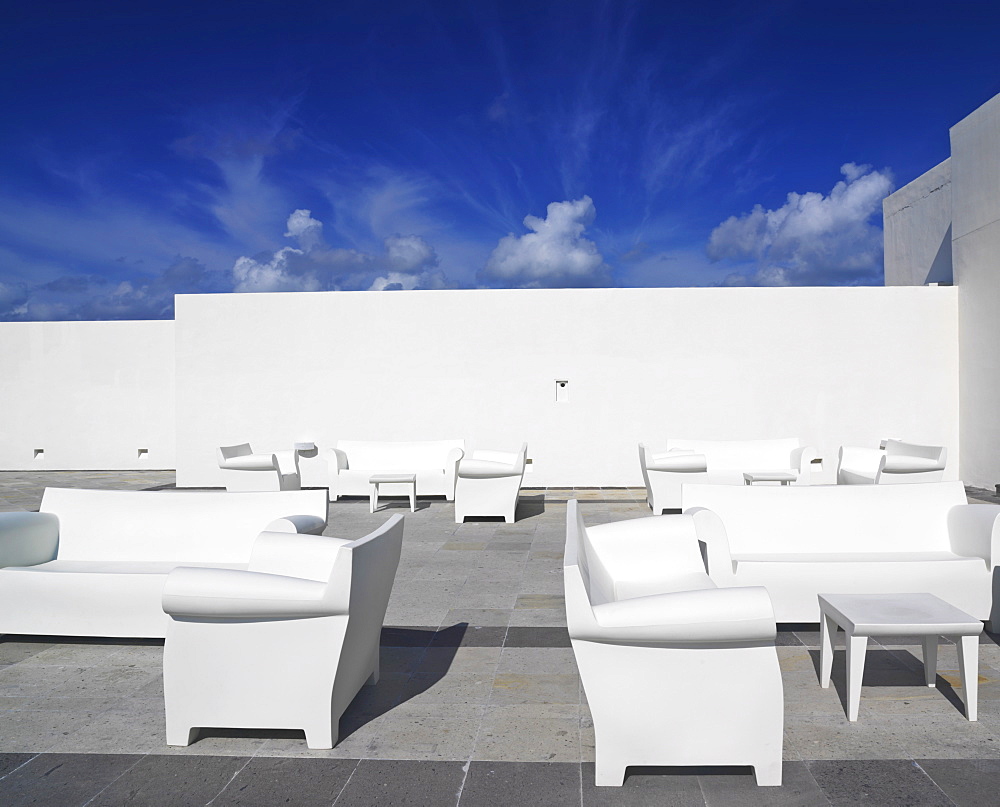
286,644
488,483
676,671
245,471
896,464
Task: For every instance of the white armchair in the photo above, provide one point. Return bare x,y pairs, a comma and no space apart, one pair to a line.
676,671
286,644
245,471
488,483
895,464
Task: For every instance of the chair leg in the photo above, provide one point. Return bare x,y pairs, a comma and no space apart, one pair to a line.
373,678
182,735
768,773
609,772
321,735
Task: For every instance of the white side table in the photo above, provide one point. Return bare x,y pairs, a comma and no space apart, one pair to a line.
924,615
385,479
783,477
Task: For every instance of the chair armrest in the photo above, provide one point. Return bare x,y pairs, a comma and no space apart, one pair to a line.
802,458
27,539
905,464
712,535
250,462
700,616
287,462
974,531
313,525
476,468
336,459
234,594
681,462
451,468
854,458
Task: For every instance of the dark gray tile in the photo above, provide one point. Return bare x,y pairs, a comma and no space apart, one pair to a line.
787,638
169,781
18,648
967,782
537,637
63,780
882,782
378,782
406,637
644,787
464,635
10,762
738,788
498,784
304,782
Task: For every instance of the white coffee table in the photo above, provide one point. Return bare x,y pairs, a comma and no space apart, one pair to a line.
924,615
783,477
386,479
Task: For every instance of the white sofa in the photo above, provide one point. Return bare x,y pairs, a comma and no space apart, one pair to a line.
718,462
285,644
435,463
93,562
244,471
488,483
896,463
848,539
676,670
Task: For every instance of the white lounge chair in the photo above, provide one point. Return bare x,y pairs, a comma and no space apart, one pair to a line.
488,483
895,464
676,671
245,471
286,644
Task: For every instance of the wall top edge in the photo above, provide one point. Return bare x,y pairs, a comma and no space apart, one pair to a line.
991,107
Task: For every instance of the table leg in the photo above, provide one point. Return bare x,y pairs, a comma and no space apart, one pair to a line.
856,648
374,499
828,629
930,660
968,662
413,498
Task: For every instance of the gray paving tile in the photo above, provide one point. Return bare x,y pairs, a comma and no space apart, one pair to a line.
738,788
409,736
644,787
881,782
11,762
499,784
265,782
537,637
967,782
378,782
516,738
63,780
168,781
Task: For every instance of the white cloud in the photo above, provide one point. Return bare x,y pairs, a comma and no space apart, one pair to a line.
555,253
812,239
308,231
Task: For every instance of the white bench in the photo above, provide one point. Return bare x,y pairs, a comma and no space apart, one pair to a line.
434,462
93,562
800,542
719,462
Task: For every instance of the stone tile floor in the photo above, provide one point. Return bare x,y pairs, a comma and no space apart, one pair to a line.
479,703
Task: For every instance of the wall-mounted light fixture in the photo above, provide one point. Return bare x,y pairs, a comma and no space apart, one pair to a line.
562,390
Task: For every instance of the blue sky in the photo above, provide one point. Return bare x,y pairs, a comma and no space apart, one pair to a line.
148,149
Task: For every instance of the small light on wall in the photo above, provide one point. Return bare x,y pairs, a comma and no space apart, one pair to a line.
39,452
142,452
562,390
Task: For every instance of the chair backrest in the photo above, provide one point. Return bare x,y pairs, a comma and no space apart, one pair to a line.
831,518
228,452
398,456
196,527
741,455
516,459
938,454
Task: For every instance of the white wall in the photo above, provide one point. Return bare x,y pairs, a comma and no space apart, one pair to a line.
91,394
916,222
975,148
828,365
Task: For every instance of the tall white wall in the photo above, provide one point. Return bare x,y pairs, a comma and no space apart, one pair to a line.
829,365
89,394
975,161
916,222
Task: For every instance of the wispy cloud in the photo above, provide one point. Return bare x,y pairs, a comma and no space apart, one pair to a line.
812,239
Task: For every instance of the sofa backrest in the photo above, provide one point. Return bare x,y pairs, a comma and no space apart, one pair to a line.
741,455
421,455
830,518
198,527
895,448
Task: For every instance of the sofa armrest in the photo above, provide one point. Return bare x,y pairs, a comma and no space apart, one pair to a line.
27,539
684,463
858,460
802,459
250,462
336,459
974,531
700,616
451,467
233,594
476,468
712,535
312,525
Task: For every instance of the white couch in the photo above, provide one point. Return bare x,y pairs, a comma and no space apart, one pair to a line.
848,539
243,470
896,463
718,462
286,644
488,483
93,562
435,463
676,670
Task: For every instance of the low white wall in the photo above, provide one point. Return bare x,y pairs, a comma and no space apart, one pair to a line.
829,365
916,221
89,394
